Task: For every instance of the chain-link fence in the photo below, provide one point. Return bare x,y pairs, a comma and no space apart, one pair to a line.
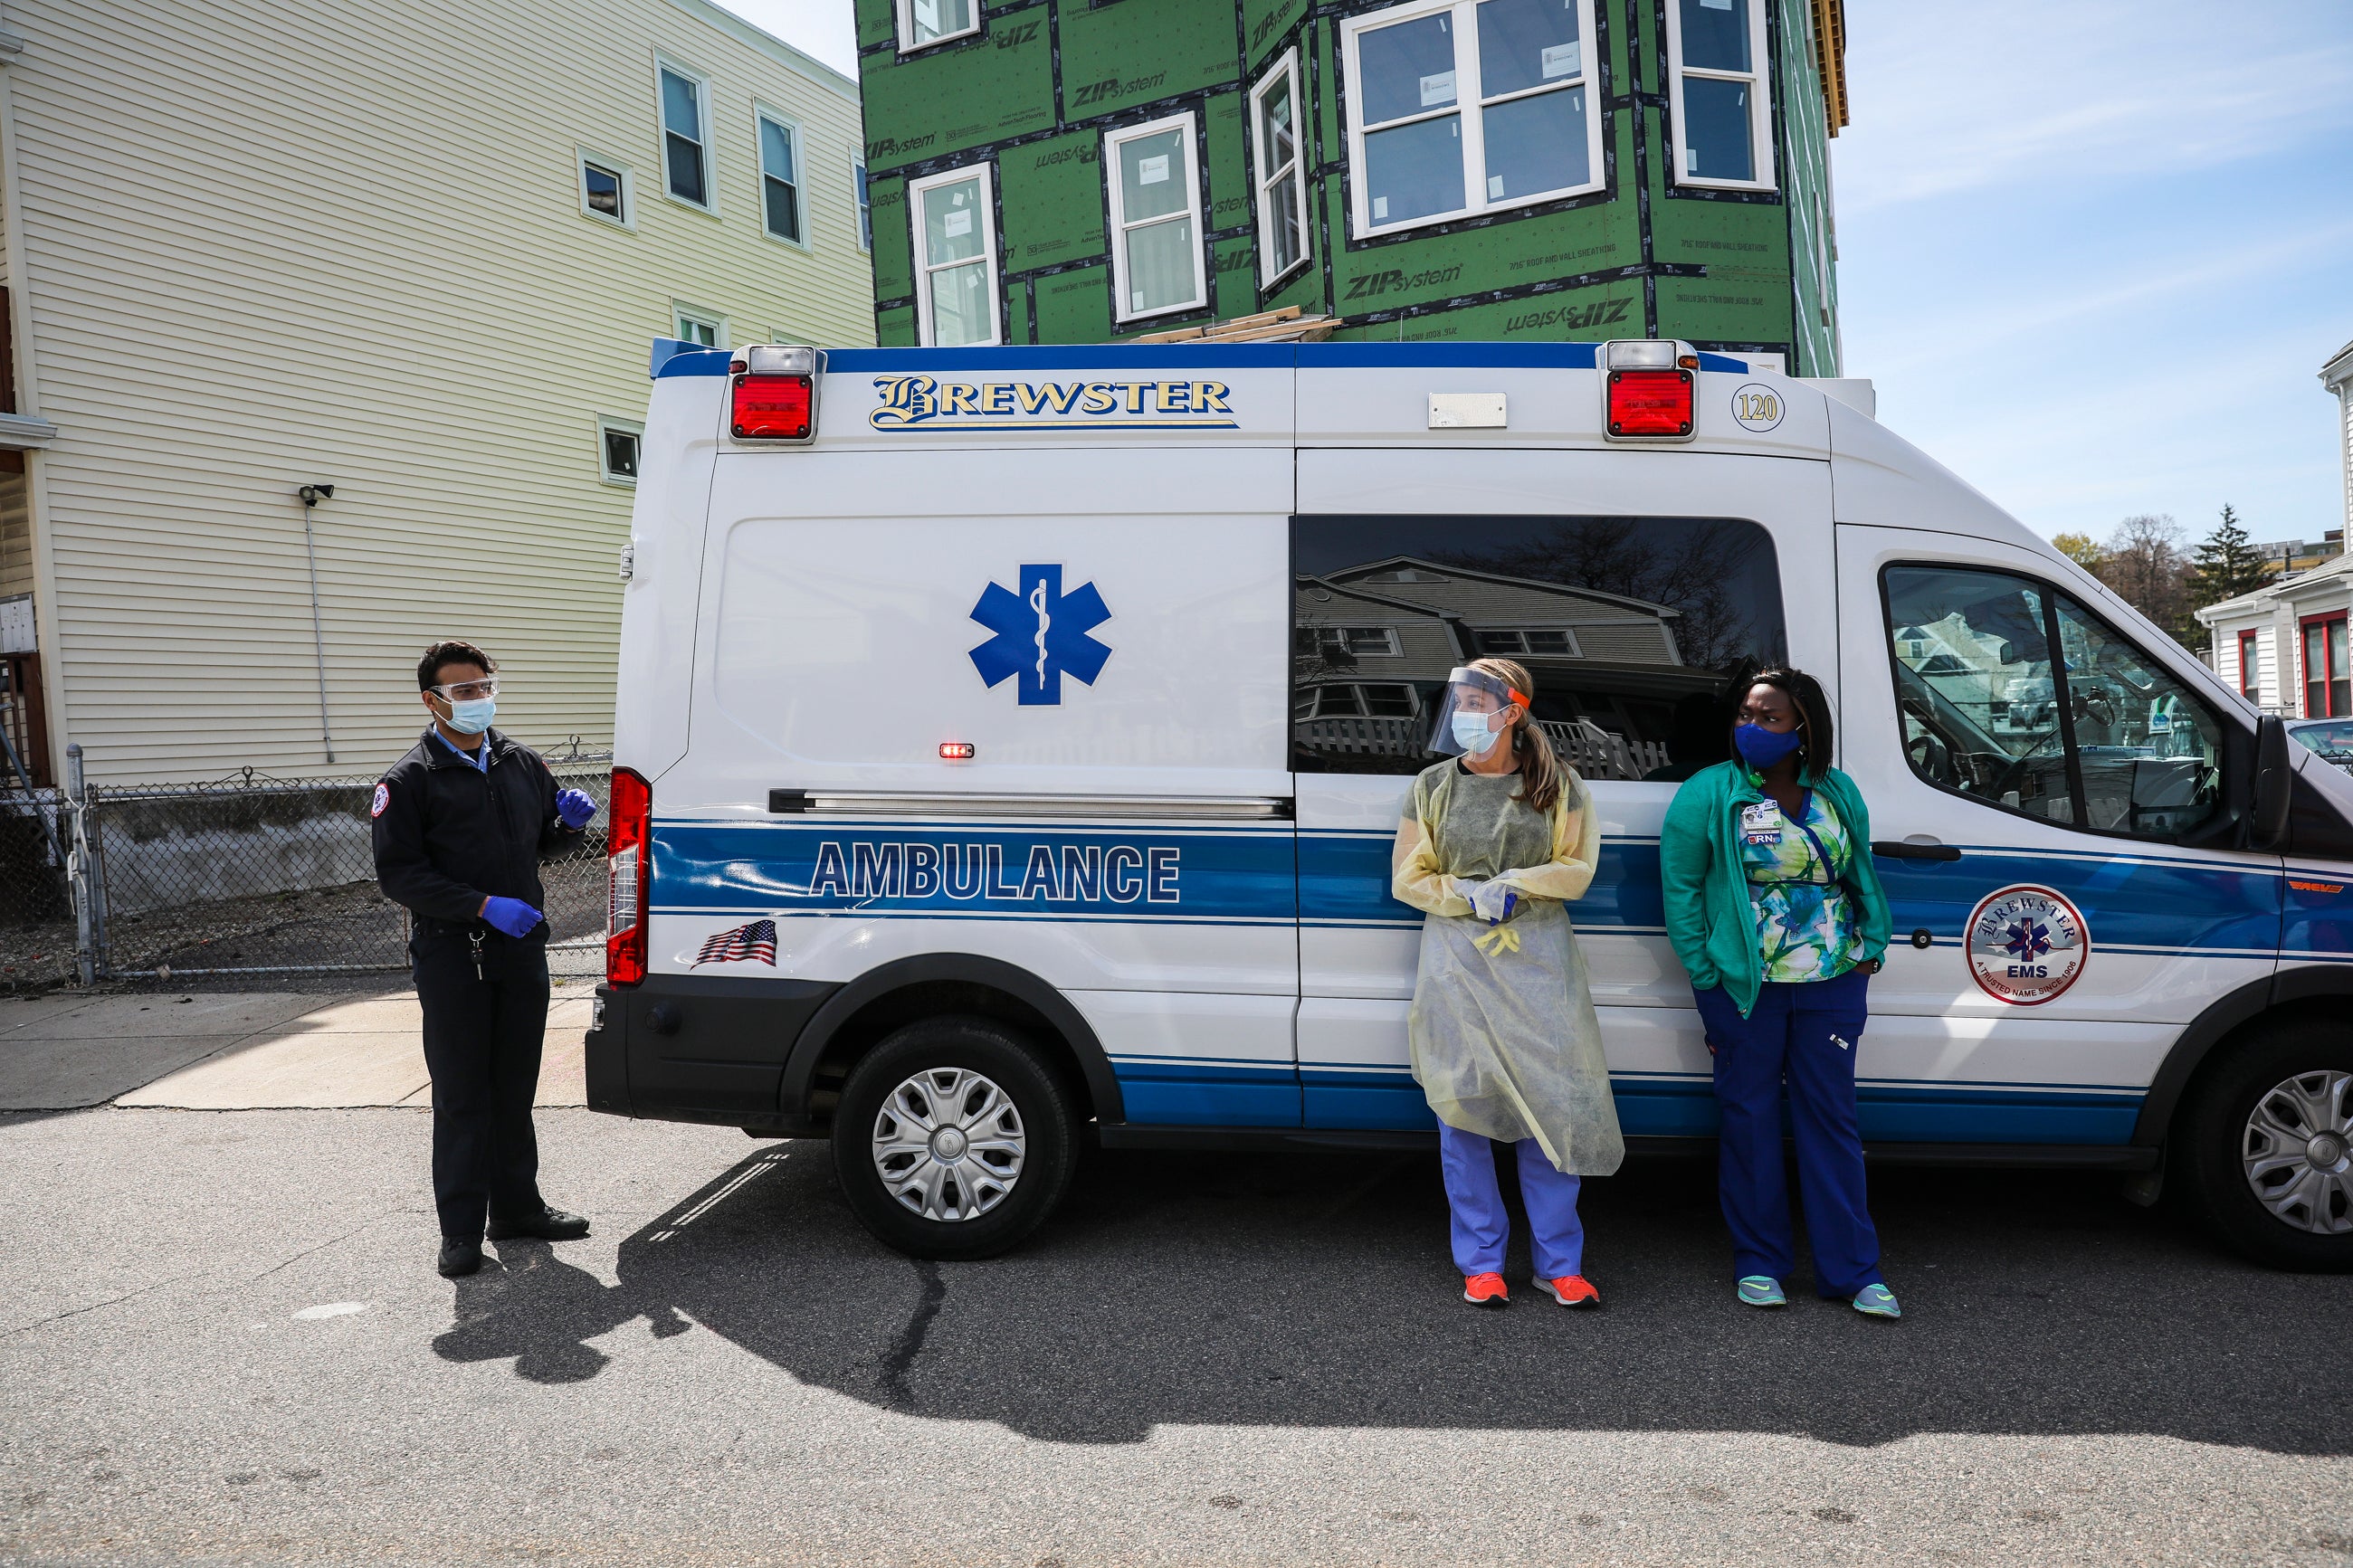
243,876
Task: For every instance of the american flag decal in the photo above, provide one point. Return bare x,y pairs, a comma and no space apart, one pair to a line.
757,940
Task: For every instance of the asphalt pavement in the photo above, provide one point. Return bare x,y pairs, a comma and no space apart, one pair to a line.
221,1340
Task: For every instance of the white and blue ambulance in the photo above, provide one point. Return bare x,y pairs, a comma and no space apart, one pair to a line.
1011,741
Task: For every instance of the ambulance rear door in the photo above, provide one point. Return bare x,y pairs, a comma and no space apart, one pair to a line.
996,669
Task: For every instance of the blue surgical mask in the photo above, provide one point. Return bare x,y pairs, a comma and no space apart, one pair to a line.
1470,733
1760,748
473,716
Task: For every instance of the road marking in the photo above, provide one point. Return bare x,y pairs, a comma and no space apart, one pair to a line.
331,1309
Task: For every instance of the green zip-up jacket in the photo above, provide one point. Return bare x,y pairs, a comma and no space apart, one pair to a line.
1710,921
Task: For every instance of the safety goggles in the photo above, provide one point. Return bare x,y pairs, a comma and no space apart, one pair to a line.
469,691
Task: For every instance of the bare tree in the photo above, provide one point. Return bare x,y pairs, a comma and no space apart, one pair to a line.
2145,565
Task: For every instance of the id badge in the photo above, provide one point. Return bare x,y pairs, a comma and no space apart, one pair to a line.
1760,824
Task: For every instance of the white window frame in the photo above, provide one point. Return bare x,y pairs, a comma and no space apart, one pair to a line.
1468,97
702,80
762,115
1567,635
1335,638
1760,99
861,201
583,156
907,44
919,255
1285,73
1115,188
682,313
607,424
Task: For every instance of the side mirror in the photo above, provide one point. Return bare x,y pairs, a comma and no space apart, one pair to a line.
2274,783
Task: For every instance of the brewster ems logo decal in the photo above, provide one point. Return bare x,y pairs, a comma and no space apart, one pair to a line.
1041,634
2026,945
911,402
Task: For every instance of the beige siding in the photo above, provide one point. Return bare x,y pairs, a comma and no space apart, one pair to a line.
271,244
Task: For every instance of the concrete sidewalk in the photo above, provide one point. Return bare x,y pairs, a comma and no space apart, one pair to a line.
247,1051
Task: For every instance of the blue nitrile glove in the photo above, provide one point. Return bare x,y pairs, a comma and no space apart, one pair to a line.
1493,901
512,916
574,807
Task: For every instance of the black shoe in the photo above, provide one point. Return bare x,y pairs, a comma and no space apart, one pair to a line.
547,1225
460,1257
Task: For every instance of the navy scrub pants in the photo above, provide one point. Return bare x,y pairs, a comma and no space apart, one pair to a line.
1804,1035
483,1038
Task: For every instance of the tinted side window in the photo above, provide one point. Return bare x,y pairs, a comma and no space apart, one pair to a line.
2098,737
1630,628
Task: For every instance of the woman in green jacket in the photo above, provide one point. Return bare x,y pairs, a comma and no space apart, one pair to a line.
1774,908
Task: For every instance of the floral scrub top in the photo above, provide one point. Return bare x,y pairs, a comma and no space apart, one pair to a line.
1805,922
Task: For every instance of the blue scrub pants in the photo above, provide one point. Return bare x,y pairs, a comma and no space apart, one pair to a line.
1804,1035
1481,1225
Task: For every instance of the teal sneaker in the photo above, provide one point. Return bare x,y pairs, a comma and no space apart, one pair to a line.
1758,1290
1876,1302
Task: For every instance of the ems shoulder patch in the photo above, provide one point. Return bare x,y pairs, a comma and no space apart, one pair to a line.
383,799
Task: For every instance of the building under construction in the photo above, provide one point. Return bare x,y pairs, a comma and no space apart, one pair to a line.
1078,171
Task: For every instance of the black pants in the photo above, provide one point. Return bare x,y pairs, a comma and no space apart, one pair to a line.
482,1045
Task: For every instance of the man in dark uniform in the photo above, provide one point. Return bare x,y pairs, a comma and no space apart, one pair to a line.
461,823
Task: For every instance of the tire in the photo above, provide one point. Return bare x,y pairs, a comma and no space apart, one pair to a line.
2279,1110
979,1192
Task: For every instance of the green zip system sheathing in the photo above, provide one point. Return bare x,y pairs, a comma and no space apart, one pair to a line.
1032,94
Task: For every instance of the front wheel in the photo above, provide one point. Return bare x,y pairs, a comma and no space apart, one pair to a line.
2270,1147
953,1139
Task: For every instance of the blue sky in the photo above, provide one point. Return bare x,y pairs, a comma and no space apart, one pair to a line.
2093,254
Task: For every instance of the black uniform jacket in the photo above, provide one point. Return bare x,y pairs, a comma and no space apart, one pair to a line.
448,835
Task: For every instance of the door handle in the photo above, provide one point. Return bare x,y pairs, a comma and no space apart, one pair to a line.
1896,849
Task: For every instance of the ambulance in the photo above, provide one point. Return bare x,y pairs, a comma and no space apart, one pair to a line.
1011,741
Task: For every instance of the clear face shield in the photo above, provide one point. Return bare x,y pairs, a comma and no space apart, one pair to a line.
1472,717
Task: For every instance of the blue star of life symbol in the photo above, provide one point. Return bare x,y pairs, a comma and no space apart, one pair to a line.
1041,634
2027,939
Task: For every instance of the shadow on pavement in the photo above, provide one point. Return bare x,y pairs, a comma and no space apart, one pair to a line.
1315,1291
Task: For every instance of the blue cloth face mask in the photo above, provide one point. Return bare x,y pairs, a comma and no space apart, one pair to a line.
1470,733
1760,748
473,716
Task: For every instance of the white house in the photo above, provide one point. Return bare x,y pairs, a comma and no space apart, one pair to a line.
414,251
2282,645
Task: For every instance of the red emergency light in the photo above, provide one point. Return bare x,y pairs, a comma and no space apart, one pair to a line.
1648,390
629,847
1650,403
772,394
957,750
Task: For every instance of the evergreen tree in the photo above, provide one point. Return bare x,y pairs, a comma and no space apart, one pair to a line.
2227,564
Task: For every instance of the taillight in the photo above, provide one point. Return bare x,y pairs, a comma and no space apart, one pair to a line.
629,847
773,395
1650,403
1647,389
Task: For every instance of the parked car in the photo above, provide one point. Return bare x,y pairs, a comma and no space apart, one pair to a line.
2328,738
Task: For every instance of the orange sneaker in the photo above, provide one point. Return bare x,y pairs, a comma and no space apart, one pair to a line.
1487,1291
1572,1291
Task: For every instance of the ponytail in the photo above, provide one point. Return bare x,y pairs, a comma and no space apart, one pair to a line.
1540,769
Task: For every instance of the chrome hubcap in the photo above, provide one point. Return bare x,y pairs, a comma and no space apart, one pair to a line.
949,1144
2298,1151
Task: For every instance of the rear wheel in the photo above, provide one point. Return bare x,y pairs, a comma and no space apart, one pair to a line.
954,1138
2270,1146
